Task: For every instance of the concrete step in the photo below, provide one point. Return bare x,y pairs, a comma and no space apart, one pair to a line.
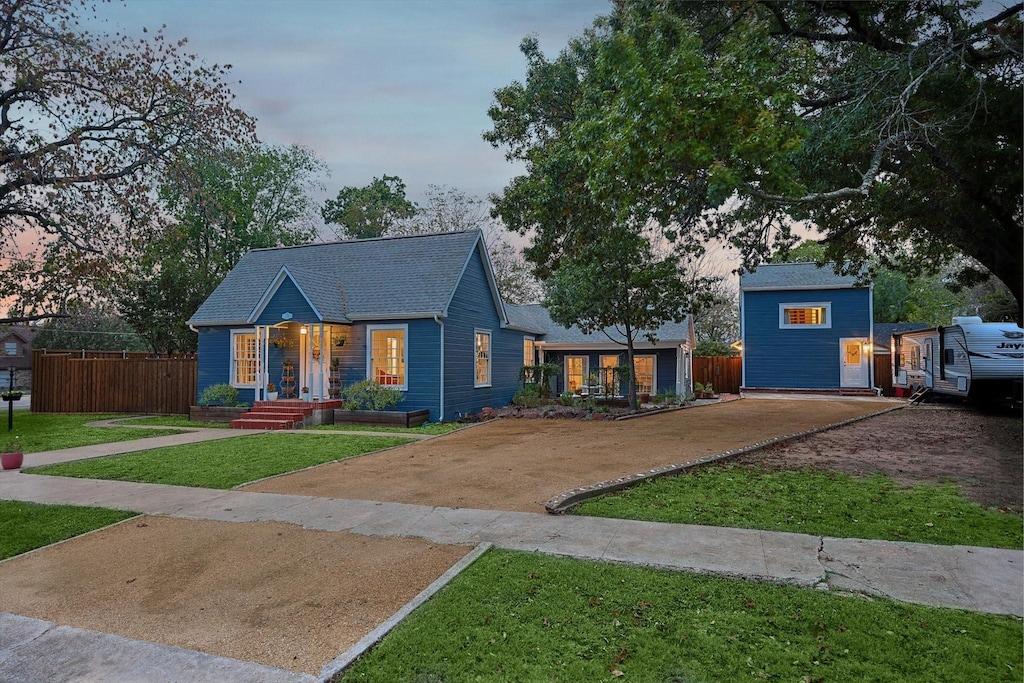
243,423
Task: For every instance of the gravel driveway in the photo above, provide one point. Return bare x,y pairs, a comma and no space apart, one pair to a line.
520,464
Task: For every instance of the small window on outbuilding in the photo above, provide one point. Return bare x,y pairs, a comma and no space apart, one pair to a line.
11,348
805,315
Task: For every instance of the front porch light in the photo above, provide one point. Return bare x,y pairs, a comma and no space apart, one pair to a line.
302,330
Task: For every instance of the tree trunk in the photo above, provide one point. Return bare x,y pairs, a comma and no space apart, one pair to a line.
633,403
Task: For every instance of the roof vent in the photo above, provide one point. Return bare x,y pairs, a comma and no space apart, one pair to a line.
967,320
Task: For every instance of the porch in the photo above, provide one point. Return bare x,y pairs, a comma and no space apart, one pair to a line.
301,361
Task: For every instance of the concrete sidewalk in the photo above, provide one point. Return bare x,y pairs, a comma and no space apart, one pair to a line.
980,579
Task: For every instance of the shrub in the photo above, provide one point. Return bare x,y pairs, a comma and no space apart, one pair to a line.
529,396
566,398
368,395
669,398
219,395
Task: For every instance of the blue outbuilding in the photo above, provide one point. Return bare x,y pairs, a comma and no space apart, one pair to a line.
421,314
804,327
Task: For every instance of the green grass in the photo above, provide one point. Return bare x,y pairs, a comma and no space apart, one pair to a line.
175,421
27,526
43,432
222,464
515,616
816,502
434,428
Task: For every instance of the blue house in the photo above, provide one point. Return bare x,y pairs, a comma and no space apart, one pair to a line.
421,314
805,327
589,360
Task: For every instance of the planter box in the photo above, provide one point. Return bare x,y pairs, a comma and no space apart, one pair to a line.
215,413
397,418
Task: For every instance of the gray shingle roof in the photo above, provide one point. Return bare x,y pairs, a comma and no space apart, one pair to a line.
535,318
360,279
795,276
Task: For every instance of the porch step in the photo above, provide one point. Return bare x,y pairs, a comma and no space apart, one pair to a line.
267,414
246,423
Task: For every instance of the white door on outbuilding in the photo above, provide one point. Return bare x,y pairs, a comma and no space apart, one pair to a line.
854,364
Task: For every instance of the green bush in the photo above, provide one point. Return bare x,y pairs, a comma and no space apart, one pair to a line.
529,396
566,398
368,395
219,395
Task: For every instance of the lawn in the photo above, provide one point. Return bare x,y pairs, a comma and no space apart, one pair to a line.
818,502
37,432
223,464
27,526
516,616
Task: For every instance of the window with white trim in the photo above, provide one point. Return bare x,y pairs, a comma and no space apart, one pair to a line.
11,348
387,356
483,359
644,367
529,351
610,375
816,315
576,370
243,358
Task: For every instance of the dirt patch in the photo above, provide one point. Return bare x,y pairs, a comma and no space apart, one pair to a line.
981,452
264,592
520,464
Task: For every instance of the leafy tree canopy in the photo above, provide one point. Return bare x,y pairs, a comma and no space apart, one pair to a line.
224,204
892,128
96,329
89,120
371,211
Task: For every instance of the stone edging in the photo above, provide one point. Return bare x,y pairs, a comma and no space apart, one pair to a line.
349,656
561,503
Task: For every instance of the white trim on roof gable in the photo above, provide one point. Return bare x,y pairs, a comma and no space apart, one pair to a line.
269,293
480,246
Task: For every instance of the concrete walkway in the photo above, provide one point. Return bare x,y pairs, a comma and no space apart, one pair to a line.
981,579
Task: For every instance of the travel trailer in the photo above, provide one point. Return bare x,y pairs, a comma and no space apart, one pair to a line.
969,358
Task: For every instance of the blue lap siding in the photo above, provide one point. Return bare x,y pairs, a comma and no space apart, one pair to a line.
794,358
473,309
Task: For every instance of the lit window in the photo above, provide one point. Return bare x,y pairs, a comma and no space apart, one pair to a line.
644,368
243,359
575,373
609,376
814,315
529,352
387,357
483,360
10,348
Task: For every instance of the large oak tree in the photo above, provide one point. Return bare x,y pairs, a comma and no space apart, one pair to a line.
893,129
89,120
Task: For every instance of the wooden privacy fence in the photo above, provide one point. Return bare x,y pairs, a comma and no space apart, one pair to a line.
883,374
725,373
111,382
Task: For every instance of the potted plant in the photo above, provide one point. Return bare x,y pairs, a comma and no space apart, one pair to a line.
11,456
271,391
709,390
698,390
305,393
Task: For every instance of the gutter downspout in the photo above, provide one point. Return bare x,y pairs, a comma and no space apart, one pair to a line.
440,322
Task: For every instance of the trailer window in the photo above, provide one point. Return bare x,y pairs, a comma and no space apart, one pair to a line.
947,357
